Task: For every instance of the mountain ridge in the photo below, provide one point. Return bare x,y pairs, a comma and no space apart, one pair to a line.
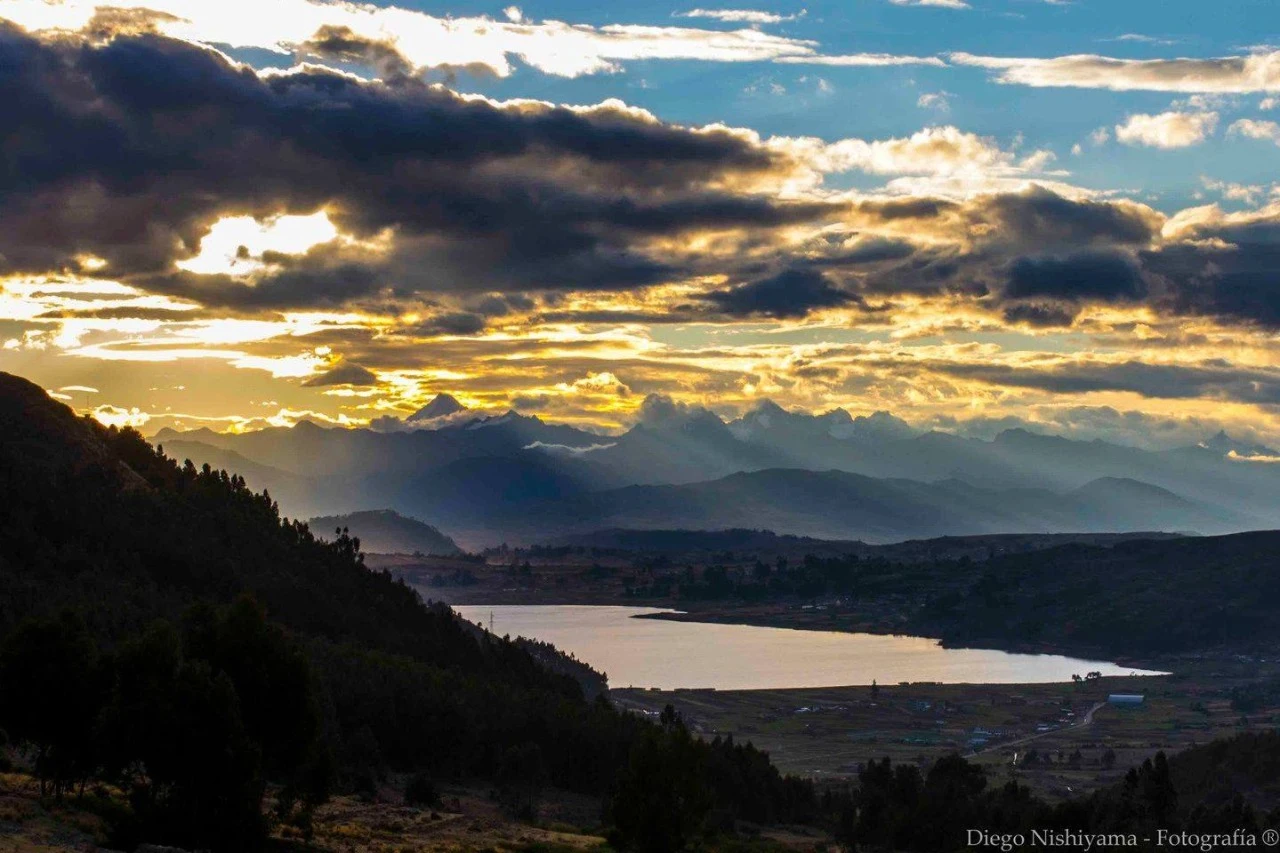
252,653
840,505
475,474
441,405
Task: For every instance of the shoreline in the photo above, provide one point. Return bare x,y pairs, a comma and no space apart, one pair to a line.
1153,666
1158,665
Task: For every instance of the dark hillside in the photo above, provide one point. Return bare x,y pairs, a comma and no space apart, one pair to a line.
132,635
1138,597
98,519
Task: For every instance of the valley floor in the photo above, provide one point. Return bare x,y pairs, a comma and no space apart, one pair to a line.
562,582
1059,739
827,733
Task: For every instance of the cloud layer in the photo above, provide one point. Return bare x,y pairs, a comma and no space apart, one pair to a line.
354,245
132,150
1258,72
395,39
1168,129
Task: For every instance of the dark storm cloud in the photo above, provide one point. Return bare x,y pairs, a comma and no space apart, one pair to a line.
129,150
908,208
346,373
342,44
1236,283
1012,247
1036,258
1038,218
128,146
452,323
1040,314
934,271
791,293
499,305
873,251
1101,276
676,314
530,402
1216,379
1228,270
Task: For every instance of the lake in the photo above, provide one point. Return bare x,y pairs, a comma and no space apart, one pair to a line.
667,654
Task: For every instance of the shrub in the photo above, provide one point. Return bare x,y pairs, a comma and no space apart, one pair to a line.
421,791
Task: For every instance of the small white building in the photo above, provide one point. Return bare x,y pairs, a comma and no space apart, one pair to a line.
1126,699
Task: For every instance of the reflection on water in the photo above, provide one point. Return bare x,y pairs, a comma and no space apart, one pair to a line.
666,654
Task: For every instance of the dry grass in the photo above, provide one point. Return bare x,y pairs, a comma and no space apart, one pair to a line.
827,733
466,821
31,825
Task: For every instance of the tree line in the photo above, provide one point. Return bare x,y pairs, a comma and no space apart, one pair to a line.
1135,597
163,628
143,600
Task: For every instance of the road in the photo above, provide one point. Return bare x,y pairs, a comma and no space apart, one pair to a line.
1086,720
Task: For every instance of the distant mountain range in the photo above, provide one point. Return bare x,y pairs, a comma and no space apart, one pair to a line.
703,545
385,531
516,478
837,504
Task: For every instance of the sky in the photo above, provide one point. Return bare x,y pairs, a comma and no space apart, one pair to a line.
975,214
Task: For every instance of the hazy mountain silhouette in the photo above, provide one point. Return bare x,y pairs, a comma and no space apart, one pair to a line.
699,545
836,504
292,491
312,451
479,499
479,477
769,423
385,531
1225,444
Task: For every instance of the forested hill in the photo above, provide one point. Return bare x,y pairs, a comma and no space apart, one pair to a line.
1142,597
163,628
99,520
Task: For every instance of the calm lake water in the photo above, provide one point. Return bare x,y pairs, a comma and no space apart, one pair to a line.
661,653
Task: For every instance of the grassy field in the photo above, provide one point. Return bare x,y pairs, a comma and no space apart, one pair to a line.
1035,733
467,820
1041,734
